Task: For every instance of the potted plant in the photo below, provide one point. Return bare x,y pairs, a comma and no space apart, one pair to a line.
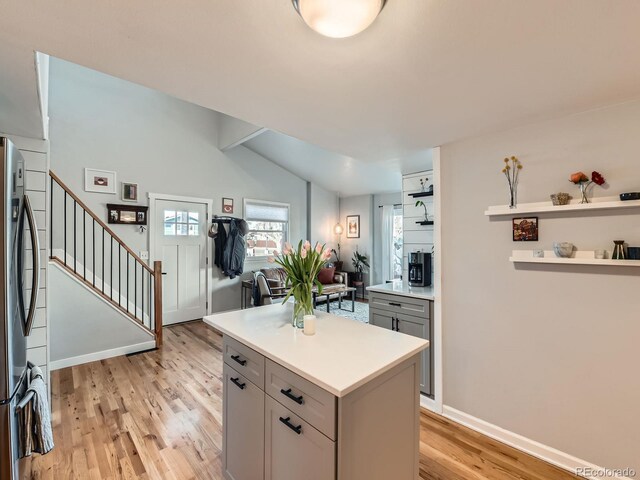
302,266
420,203
360,263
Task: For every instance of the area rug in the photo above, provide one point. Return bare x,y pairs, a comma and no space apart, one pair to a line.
361,313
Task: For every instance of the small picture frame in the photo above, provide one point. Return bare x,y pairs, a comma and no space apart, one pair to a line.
227,206
525,229
353,226
99,181
129,192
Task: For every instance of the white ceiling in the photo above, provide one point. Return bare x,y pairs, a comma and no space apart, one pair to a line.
338,173
425,73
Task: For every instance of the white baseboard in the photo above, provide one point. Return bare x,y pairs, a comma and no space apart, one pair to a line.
536,449
429,404
95,356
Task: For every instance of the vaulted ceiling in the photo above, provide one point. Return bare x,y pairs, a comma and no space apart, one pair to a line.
425,73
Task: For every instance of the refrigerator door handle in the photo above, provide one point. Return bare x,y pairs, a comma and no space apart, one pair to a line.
35,251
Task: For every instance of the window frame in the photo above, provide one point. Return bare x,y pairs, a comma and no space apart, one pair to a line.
262,258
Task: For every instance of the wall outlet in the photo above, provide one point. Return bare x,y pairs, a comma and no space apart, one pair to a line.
144,255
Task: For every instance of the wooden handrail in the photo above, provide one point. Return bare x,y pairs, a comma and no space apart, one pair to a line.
157,302
100,222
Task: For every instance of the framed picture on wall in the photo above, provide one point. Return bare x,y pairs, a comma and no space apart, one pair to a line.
99,181
525,229
353,226
227,205
129,192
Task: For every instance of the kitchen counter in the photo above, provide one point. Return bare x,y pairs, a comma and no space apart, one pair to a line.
343,354
342,404
404,289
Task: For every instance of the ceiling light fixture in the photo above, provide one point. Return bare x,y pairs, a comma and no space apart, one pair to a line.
338,18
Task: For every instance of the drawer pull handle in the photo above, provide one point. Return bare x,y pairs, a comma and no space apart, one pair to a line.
237,359
286,421
287,393
393,304
238,384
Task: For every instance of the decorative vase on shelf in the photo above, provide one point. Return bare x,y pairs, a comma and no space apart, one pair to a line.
583,192
513,197
618,250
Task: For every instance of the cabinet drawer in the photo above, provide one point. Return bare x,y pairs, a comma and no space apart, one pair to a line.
246,361
243,423
312,403
294,450
399,304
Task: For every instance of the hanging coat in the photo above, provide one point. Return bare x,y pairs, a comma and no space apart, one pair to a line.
220,242
234,249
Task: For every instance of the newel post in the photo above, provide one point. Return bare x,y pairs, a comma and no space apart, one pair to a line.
157,301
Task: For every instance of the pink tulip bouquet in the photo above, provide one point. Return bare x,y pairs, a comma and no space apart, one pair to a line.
302,266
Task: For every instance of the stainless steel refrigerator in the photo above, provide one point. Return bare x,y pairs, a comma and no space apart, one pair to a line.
16,311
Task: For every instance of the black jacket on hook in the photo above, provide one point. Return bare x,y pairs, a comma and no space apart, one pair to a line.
234,249
220,242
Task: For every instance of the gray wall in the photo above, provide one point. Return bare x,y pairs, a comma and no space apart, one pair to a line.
323,215
163,144
359,205
83,324
548,352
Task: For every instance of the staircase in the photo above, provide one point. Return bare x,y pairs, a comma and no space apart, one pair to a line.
88,250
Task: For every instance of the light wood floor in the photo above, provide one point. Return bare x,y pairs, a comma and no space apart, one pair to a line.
158,415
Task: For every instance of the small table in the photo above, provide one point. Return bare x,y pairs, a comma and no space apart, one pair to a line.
247,285
340,291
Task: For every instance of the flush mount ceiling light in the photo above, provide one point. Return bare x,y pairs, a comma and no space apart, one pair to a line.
338,18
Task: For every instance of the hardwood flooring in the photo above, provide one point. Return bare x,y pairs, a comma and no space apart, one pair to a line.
158,415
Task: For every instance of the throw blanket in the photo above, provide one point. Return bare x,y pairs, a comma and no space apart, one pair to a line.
36,418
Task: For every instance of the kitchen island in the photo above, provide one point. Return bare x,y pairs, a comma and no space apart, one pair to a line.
402,308
341,404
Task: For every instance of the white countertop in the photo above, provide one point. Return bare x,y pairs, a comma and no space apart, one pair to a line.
403,288
343,354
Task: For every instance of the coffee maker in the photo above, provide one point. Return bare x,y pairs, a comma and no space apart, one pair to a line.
419,269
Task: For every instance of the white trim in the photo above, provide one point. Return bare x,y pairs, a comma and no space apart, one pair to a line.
536,449
208,215
244,139
437,286
93,357
429,404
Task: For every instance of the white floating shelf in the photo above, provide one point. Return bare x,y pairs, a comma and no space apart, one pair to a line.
578,258
603,203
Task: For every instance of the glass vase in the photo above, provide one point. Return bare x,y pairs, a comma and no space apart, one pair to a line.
303,305
513,196
583,192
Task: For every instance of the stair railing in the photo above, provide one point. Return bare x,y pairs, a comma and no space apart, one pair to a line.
115,272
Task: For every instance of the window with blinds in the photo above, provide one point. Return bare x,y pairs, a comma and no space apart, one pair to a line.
268,227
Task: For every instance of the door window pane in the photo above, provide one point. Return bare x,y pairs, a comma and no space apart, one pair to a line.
181,228
182,217
193,230
193,217
169,228
169,216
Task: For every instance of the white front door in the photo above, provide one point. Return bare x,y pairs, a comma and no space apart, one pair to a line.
181,245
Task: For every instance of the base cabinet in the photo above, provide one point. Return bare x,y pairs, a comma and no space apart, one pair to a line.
295,450
307,433
243,427
406,315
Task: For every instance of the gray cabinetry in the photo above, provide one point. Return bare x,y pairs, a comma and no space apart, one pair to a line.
408,315
243,427
295,450
278,425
